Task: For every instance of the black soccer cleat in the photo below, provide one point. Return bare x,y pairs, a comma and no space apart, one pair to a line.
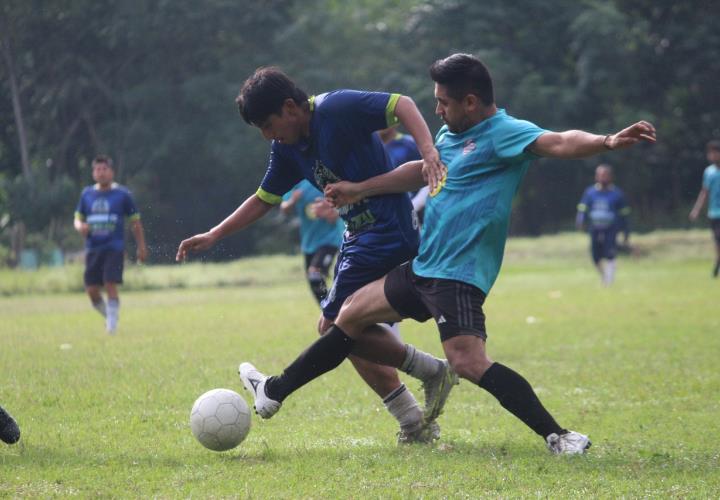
9,430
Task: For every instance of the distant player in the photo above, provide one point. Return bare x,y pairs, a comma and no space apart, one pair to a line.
9,430
487,153
401,148
711,191
321,233
328,138
603,212
100,218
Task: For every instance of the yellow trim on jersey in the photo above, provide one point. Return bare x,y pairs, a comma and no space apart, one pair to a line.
582,207
390,117
135,216
440,185
269,198
79,216
311,101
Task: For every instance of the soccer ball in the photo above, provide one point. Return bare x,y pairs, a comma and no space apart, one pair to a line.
220,419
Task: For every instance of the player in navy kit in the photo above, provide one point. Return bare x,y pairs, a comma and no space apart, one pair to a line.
328,138
9,430
100,217
603,212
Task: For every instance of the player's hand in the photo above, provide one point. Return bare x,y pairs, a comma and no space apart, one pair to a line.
342,193
693,215
197,243
434,172
322,209
142,253
83,229
640,131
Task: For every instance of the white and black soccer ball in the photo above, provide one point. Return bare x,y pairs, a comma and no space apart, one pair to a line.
220,419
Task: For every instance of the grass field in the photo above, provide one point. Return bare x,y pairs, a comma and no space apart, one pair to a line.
634,366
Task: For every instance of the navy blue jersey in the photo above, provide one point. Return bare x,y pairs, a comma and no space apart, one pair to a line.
342,146
105,213
603,208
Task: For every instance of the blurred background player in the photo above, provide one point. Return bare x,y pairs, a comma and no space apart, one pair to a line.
9,430
401,148
100,219
711,191
603,212
321,232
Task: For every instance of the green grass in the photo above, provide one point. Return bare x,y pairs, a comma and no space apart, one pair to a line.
634,366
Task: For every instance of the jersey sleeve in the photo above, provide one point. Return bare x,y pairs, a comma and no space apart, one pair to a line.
513,137
706,178
280,177
129,207
366,111
584,202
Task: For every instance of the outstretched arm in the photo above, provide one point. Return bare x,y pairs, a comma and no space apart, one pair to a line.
699,203
579,144
411,118
251,210
406,177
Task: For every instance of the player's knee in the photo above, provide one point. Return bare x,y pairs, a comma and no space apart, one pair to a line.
469,365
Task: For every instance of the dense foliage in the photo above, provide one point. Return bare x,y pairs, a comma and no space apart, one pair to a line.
152,83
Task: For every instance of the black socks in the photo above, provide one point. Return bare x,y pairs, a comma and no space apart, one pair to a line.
323,355
516,396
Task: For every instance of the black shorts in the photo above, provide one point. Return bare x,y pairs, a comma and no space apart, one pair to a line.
715,227
603,244
104,266
322,259
455,306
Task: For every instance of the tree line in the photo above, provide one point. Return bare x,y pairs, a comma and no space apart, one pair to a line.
152,83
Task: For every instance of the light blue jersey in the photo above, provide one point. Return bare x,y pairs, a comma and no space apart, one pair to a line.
466,223
711,182
314,232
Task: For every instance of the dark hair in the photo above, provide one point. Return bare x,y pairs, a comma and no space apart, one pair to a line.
103,159
714,144
464,74
264,93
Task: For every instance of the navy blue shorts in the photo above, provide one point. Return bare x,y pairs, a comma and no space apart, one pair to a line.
104,266
603,244
362,260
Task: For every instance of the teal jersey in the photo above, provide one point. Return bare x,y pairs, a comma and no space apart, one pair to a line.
314,232
466,223
711,182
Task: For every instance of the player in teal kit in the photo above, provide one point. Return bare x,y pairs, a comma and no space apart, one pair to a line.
603,212
321,232
711,191
100,218
487,153
327,138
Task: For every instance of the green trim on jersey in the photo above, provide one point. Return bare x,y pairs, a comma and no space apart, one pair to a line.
79,216
390,110
269,198
135,216
582,207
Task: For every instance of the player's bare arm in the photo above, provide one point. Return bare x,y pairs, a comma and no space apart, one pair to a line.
699,203
580,144
409,115
139,235
81,227
251,210
406,177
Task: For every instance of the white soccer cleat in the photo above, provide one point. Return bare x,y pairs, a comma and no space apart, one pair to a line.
254,381
437,389
570,443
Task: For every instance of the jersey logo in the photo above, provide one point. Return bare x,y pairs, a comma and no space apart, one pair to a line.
441,320
323,175
468,147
